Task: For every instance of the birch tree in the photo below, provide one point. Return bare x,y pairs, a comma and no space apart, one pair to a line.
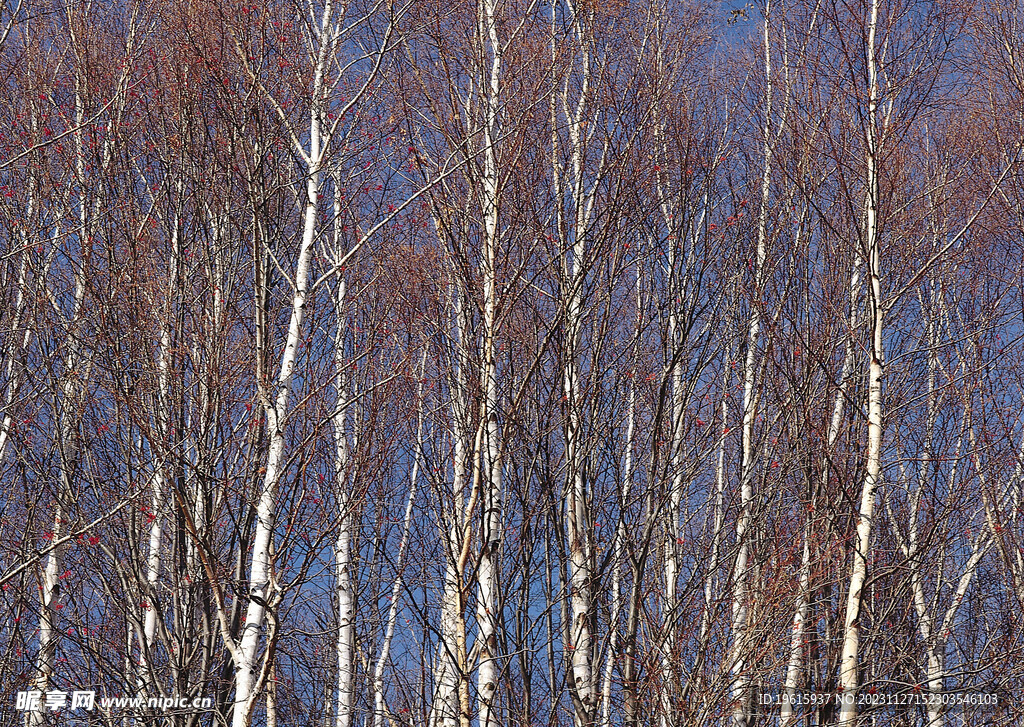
314,143
509,362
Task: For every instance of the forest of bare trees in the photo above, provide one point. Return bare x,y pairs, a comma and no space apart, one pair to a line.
512,363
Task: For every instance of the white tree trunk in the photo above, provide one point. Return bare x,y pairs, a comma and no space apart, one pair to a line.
740,681
675,515
163,452
348,522
249,672
487,571
450,706
247,679
12,364
718,514
620,528
795,667
579,529
379,707
935,640
67,414
850,659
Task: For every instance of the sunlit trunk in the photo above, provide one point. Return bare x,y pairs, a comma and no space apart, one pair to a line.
450,705
348,521
850,659
795,667
625,491
249,674
490,557
740,684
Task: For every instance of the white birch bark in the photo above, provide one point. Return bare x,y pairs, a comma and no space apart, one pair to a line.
795,666
673,517
67,406
850,658
716,502
678,389
48,576
718,512
248,680
671,547
379,707
578,530
344,583
489,563
20,339
934,637
159,489
620,528
68,400
450,706
577,514
272,696
912,547
740,681
163,452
